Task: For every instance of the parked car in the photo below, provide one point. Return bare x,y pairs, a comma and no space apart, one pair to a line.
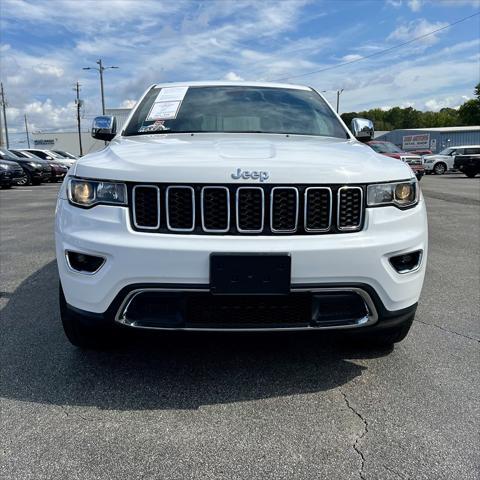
58,170
36,170
442,162
469,161
10,173
246,207
391,150
51,156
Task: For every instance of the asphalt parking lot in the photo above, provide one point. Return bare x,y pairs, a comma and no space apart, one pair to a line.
223,407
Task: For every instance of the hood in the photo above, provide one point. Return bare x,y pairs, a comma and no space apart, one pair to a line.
435,156
10,163
213,158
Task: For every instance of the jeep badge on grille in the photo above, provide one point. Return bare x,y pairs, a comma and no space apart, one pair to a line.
253,175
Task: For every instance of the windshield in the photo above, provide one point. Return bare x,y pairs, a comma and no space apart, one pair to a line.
55,155
6,155
64,154
235,109
20,154
385,147
41,154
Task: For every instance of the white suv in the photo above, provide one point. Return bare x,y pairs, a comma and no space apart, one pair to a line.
238,207
439,163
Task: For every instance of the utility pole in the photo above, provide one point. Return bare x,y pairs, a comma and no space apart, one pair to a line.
338,99
4,105
2,143
100,69
26,130
78,102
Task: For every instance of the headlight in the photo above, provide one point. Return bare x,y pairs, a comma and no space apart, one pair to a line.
87,193
429,160
400,194
5,167
35,164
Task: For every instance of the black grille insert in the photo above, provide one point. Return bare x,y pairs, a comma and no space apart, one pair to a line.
318,204
215,209
350,201
284,209
146,200
181,208
250,209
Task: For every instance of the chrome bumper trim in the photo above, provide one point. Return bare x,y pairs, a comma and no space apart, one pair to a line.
370,319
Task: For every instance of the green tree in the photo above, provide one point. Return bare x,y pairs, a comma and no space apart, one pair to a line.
469,112
396,117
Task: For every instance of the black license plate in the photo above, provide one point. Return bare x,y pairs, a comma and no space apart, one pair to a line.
250,274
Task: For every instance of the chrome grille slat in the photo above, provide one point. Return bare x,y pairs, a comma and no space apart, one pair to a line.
142,222
281,210
205,206
349,208
175,217
241,207
317,220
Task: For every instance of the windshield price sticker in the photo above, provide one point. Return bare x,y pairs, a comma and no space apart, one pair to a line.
167,104
164,111
171,94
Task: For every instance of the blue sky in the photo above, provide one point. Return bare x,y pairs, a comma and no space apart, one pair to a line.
45,44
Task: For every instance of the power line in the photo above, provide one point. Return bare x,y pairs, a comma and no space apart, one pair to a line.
381,52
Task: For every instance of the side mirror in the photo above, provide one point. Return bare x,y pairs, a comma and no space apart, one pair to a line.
104,127
362,129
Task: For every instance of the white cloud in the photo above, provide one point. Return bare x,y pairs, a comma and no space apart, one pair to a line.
233,77
417,28
129,103
48,70
415,5
438,103
352,57
245,39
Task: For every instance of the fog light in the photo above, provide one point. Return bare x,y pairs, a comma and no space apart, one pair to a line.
83,263
407,262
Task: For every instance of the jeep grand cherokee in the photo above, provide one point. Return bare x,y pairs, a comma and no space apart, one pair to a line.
238,207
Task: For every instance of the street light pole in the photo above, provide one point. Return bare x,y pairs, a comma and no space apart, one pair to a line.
338,98
4,105
100,69
78,102
26,130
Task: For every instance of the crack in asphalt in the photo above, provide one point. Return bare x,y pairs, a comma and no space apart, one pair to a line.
448,331
362,435
72,414
397,474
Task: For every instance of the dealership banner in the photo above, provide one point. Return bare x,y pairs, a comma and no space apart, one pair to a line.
414,142
41,142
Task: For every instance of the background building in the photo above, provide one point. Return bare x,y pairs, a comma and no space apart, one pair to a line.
434,139
68,141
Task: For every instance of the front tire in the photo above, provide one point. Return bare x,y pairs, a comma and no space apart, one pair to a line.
26,180
440,168
81,334
470,173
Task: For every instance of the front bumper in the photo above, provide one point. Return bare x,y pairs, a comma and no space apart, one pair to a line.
134,258
5,179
